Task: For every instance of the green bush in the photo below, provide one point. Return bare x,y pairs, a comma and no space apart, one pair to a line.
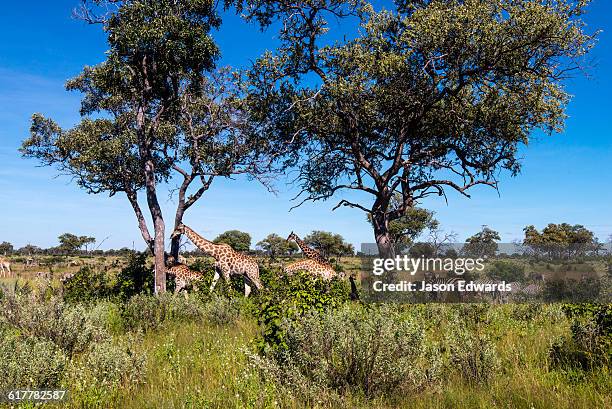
471,354
289,298
30,363
109,364
68,327
135,278
590,345
85,286
507,271
222,310
374,352
148,312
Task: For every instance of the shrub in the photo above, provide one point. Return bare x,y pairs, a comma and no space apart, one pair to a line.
289,298
222,310
471,354
109,364
68,327
29,363
569,290
590,345
148,312
374,352
507,271
135,278
85,286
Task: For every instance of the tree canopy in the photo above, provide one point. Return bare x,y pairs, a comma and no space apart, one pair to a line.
275,246
236,239
157,110
483,243
430,96
329,244
560,240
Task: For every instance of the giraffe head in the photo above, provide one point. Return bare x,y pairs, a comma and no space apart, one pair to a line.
180,229
292,236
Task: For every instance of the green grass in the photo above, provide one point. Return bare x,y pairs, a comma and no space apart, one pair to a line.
198,365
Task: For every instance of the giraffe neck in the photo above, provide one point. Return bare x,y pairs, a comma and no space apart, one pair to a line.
201,243
308,252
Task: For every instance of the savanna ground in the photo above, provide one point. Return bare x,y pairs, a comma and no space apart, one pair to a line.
299,343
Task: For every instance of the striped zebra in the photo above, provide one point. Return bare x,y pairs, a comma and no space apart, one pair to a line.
482,283
434,279
524,290
532,290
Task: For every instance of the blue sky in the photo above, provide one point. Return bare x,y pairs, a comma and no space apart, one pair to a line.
565,178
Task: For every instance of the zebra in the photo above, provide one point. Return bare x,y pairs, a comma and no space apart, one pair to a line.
496,295
532,290
436,280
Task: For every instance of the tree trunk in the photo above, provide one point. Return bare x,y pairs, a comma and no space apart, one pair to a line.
178,219
159,228
382,236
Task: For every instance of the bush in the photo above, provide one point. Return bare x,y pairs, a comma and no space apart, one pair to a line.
507,271
351,349
148,312
289,298
221,310
68,327
569,290
590,345
109,364
471,354
135,278
30,363
85,286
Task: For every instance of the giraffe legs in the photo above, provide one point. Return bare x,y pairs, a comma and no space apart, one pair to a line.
180,284
215,279
247,289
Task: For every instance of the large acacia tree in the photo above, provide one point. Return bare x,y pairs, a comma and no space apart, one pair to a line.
431,96
157,110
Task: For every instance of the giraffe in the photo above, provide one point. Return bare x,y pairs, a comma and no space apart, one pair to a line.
313,267
314,263
308,252
5,267
227,260
183,276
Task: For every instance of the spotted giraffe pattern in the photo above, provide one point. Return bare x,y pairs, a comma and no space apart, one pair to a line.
227,260
183,276
313,267
308,252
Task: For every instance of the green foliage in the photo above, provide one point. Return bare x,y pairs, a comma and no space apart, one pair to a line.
6,248
30,362
289,298
108,365
239,241
587,289
275,245
590,345
472,355
69,327
410,225
372,351
483,243
329,244
560,240
86,285
427,96
220,310
135,278
148,312
507,271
